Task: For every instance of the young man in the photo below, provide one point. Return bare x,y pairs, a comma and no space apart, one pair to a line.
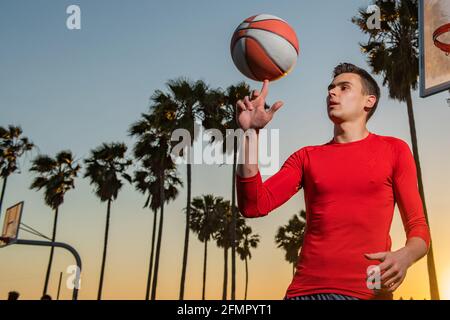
351,185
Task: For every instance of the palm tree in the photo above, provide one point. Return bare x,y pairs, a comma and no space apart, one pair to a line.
159,176
186,96
148,181
57,176
168,181
12,146
105,167
145,183
393,51
233,94
247,242
290,237
224,236
220,113
205,223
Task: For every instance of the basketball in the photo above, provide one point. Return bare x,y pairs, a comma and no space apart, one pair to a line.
264,47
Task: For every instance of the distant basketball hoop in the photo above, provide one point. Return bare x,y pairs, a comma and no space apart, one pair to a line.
437,33
11,225
9,236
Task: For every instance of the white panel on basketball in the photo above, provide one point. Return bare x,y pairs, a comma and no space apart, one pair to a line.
278,48
239,58
264,16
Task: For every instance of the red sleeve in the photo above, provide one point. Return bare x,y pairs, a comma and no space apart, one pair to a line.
407,194
257,199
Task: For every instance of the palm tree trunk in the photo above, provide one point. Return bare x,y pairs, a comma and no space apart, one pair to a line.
434,290
3,193
233,225
246,278
205,256
225,273
50,260
186,236
150,267
105,247
158,244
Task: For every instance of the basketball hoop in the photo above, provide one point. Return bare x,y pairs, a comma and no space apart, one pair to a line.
438,32
11,225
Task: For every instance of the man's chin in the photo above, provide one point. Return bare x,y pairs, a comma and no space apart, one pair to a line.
334,118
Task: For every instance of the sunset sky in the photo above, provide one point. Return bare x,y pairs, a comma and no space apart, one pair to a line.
75,89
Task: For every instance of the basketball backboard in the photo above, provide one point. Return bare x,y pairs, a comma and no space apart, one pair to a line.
434,38
11,224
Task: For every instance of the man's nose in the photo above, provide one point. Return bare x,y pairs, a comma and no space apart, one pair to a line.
331,93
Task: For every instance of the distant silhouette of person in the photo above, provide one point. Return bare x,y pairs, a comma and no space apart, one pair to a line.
13,295
46,297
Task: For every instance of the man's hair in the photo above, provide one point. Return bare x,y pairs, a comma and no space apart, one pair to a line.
369,84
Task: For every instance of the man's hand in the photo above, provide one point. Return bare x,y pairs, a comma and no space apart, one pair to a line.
393,267
251,113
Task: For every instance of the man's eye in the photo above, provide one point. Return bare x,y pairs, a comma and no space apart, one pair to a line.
344,88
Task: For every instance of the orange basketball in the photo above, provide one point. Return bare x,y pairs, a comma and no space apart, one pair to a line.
264,47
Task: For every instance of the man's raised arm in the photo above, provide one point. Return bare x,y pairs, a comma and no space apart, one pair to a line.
251,114
255,198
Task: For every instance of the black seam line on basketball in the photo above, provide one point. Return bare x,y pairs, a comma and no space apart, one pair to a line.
267,54
297,51
270,32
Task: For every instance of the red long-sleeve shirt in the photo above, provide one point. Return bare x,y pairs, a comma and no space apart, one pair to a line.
350,192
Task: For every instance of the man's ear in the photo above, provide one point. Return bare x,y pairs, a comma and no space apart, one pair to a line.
370,102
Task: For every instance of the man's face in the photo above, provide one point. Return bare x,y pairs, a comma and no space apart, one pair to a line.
346,100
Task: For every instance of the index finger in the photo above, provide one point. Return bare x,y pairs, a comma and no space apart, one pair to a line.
265,89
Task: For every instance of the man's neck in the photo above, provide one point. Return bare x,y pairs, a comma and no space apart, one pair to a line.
348,132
